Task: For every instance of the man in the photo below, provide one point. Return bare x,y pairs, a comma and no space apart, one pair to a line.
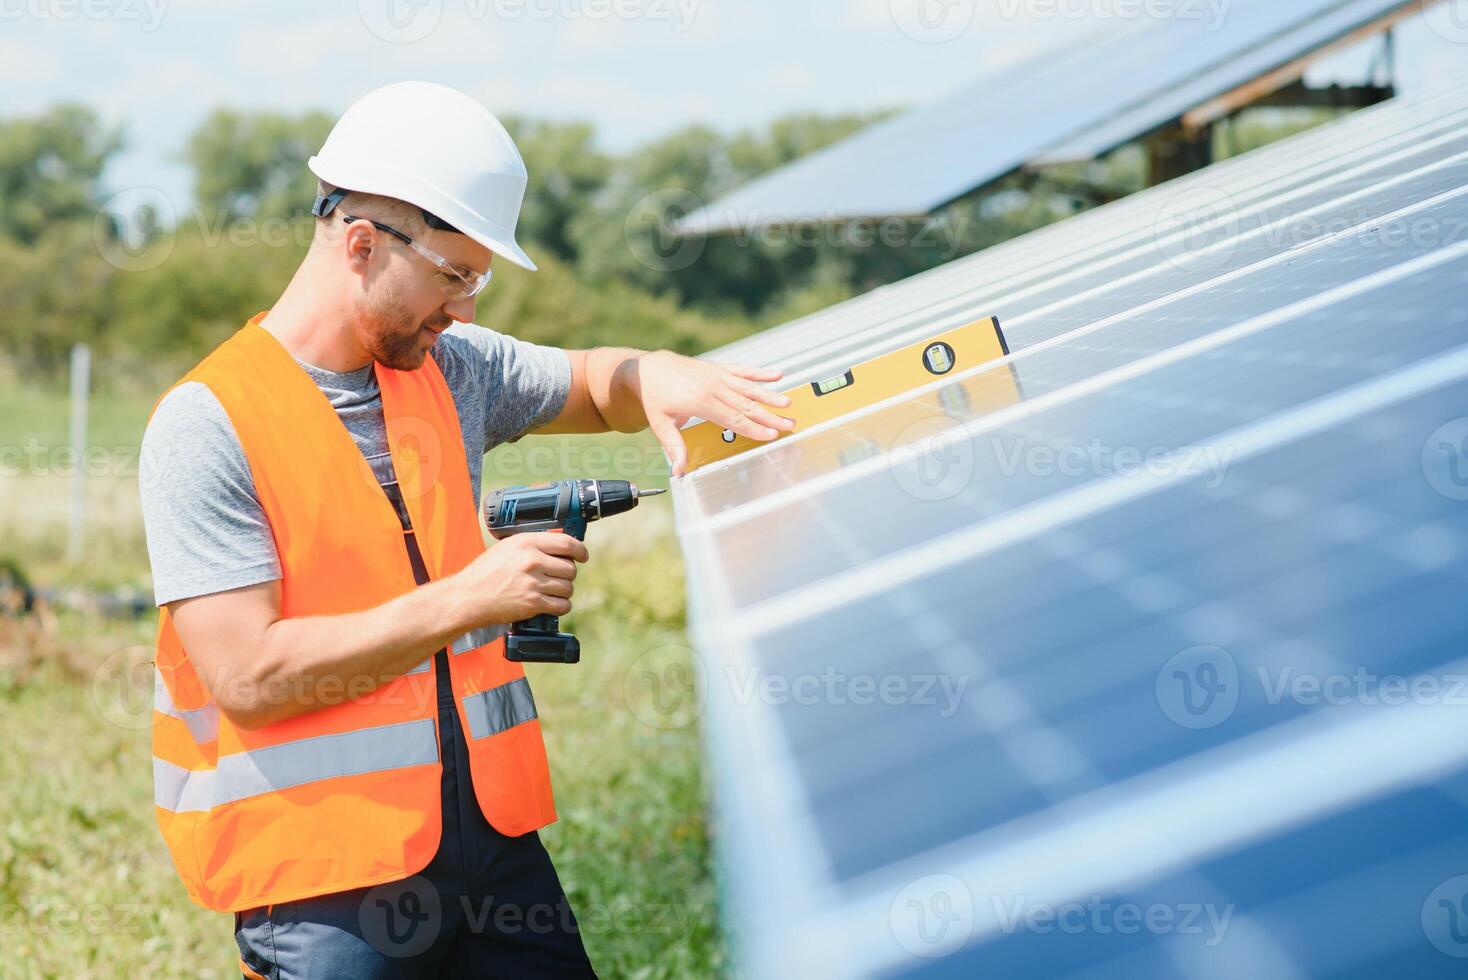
343,756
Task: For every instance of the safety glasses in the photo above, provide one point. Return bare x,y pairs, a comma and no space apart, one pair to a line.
456,281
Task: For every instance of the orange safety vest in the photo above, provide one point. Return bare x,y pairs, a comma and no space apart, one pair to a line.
346,795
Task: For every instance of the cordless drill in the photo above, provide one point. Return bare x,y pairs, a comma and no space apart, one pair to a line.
566,505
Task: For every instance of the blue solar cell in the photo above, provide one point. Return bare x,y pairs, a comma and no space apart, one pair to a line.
1353,906
1365,611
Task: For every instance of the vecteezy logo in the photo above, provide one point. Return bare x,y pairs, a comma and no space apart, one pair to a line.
932,459
649,231
401,918
123,685
400,21
665,688
933,916
1199,687
133,232
1197,229
1448,20
932,21
1445,459
1445,917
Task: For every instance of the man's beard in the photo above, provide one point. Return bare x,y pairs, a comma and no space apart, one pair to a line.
395,336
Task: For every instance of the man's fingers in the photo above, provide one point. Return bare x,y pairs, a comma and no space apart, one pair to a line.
754,373
736,421
556,606
563,568
670,437
744,417
756,412
561,545
760,393
558,587
752,408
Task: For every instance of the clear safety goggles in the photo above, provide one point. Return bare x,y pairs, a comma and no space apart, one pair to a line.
456,281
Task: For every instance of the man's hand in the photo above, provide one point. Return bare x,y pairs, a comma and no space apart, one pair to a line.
675,388
522,576
628,390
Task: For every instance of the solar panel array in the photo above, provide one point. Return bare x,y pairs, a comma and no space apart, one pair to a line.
1072,104
1157,670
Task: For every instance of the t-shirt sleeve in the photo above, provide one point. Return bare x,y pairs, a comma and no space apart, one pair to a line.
522,385
206,529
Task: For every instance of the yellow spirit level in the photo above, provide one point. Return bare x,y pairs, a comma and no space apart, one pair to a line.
867,383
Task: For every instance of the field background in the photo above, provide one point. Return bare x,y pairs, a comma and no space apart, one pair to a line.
86,887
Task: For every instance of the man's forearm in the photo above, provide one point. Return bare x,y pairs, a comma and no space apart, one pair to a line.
310,662
614,382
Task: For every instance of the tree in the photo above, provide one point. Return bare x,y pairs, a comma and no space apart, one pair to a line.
50,169
253,165
629,236
566,174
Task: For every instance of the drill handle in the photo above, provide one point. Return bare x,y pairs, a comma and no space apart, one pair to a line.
544,623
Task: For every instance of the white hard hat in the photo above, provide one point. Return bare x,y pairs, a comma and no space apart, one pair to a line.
437,148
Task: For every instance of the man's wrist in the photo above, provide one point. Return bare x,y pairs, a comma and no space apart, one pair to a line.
447,606
624,411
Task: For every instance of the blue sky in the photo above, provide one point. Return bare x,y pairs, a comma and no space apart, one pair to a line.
637,68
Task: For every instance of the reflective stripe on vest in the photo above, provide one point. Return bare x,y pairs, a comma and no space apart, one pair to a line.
499,709
245,774
483,636
202,723
472,640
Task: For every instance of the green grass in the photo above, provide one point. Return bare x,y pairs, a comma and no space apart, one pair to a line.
86,888
42,415
36,474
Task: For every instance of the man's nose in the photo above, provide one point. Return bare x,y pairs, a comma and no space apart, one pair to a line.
461,310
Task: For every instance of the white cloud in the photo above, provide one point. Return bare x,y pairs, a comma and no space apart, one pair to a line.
177,85
792,77
654,24
868,15
27,64
625,112
326,48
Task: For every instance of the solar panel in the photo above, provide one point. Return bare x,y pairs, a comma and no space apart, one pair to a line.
1157,671
1085,99
1197,210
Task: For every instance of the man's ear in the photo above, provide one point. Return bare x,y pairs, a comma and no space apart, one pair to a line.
359,243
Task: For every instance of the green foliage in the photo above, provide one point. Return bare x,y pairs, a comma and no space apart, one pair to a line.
50,166
207,281
566,173
1254,128
627,237
555,306
252,165
54,292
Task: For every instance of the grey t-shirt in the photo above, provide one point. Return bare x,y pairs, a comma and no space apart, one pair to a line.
206,529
